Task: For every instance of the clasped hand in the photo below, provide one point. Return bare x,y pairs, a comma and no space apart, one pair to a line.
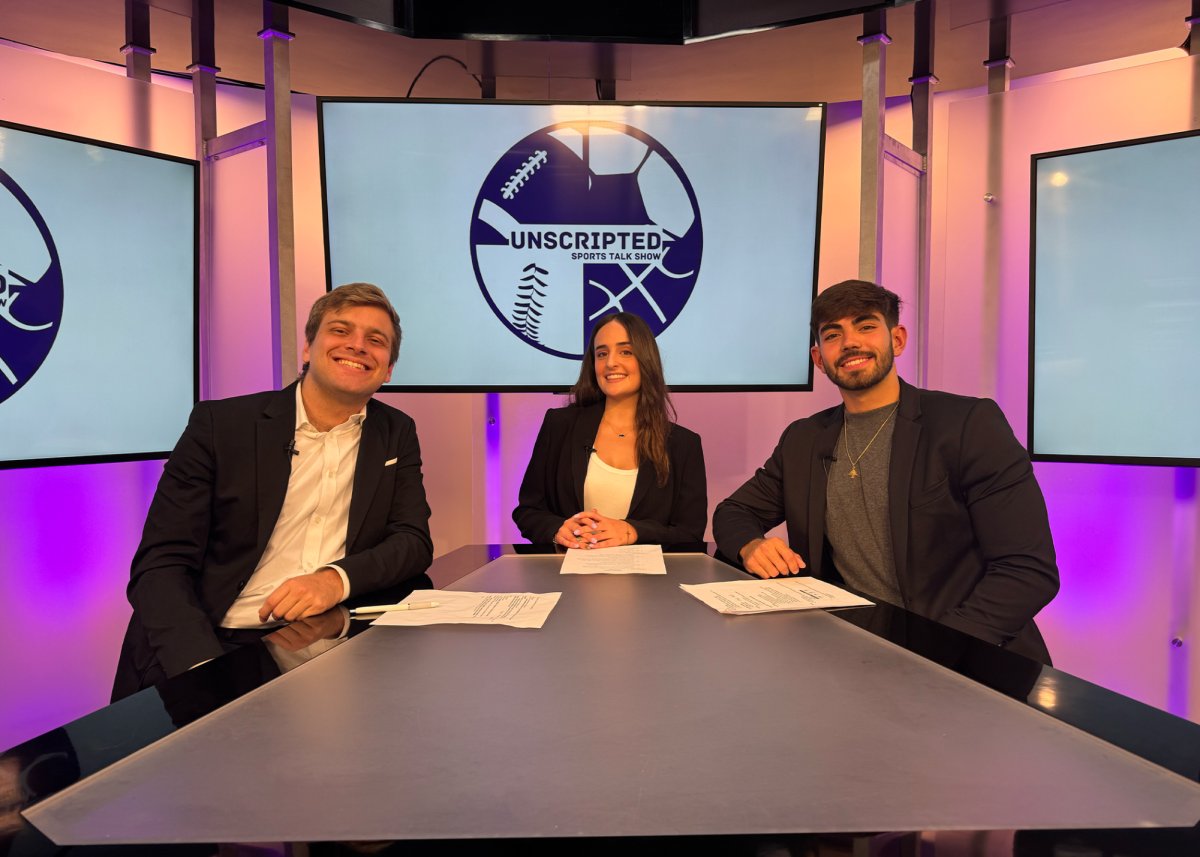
303,596
593,530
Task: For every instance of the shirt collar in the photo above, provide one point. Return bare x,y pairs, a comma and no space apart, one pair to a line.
302,415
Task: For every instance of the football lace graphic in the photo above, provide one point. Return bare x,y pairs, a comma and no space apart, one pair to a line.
580,219
31,288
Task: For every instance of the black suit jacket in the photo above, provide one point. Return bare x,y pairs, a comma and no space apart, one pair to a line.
970,533
552,490
217,503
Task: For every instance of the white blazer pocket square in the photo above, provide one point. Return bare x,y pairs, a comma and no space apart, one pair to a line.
390,463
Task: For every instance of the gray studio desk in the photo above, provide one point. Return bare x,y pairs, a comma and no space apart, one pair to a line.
635,711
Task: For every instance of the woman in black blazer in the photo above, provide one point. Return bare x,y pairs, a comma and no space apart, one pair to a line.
612,468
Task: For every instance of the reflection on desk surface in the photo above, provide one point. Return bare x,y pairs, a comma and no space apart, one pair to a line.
55,760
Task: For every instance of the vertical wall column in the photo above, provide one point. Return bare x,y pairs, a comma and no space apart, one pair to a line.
1193,46
493,469
870,215
999,62
204,98
998,65
1192,20
922,81
1183,570
280,214
137,52
487,72
1184,519
137,48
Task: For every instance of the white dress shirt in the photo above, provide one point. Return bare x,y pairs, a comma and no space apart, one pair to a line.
608,490
311,531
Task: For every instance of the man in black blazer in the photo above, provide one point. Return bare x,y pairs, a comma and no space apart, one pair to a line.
278,506
919,498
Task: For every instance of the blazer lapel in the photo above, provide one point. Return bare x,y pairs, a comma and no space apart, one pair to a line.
646,477
583,438
822,451
273,432
368,470
904,453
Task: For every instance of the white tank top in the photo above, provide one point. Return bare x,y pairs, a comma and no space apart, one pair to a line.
607,490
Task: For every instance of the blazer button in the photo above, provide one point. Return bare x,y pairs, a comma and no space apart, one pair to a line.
241,585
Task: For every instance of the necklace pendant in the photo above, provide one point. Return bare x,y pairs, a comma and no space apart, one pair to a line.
853,473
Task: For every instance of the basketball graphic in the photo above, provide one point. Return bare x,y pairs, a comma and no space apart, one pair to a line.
31,288
580,219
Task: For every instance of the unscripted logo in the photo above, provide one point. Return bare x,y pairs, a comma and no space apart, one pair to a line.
580,219
31,288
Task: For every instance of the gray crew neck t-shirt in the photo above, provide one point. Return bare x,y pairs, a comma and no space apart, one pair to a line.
857,520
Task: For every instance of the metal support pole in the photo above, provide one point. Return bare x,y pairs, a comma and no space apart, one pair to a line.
1193,48
280,215
1193,45
137,52
606,66
870,215
923,81
998,64
204,99
493,464
999,47
1183,570
137,48
487,76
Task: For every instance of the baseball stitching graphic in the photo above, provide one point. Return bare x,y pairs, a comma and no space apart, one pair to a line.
30,272
580,219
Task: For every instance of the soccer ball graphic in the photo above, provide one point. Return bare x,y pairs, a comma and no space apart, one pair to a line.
31,288
580,219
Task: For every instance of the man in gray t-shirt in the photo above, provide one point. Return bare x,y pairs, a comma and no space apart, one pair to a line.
920,498
857,522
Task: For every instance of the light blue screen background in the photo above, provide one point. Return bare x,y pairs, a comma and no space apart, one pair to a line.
1116,236
401,181
119,379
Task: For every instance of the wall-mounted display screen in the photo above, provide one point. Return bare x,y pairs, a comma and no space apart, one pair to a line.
1113,261
97,299
501,231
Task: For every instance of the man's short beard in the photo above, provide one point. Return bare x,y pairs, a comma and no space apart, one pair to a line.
857,381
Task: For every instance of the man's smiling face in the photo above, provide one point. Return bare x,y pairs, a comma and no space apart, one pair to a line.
349,355
857,352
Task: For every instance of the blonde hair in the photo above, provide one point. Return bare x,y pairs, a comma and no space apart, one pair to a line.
351,294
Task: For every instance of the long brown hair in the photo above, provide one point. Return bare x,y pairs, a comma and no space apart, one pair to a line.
655,411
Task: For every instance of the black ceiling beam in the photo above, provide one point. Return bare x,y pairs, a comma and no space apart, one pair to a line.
620,21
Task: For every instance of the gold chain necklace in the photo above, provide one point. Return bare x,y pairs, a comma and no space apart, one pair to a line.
846,434
612,428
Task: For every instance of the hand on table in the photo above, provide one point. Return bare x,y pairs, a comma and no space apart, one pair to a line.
302,634
770,558
304,596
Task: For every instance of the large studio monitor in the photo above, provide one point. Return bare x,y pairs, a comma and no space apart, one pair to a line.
97,299
502,231
1115,304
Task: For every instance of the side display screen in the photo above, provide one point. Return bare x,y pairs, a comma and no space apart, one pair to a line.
1114,259
97,299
